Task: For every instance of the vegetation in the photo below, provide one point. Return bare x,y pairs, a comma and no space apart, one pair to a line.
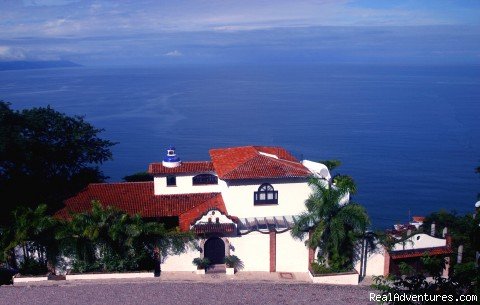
45,157
232,261
103,239
106,239
464,281
335,225
331,164
138,177
32,231
201,263
464,230
464,278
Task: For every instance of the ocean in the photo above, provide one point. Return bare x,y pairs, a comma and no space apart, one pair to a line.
409,135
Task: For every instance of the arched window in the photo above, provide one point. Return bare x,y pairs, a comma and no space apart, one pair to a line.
266,194
203,179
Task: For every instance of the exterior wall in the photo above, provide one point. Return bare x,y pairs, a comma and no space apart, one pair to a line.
253,249
420,241
375,262
292,193
182,262
292,254
336,279
184,185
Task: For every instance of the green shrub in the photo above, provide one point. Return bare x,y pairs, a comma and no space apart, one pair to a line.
232,261
31,266
321,268
201,263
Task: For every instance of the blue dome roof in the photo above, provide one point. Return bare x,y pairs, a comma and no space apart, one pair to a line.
171,159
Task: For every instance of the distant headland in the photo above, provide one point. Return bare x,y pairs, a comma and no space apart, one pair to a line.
24,65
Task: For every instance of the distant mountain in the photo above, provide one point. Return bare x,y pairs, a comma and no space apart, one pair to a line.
23,65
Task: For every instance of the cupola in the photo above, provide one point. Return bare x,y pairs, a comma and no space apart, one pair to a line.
171,159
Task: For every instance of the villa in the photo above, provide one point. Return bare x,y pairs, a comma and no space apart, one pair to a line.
242,202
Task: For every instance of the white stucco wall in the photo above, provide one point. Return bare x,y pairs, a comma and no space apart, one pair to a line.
292,193
420,241
182,262
253,249
375,262
292,254
184,185
336,279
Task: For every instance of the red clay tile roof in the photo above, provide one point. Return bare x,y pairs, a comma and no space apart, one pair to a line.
420,252
186,167
418,218
247,162
214,228
138,198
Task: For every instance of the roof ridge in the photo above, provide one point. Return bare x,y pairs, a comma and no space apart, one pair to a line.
186,194
119,182
194,161
278,162
247,160
216,194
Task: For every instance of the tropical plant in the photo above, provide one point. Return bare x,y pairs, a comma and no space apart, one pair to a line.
232,261
335,225
107,239
201,262
31,231
465,281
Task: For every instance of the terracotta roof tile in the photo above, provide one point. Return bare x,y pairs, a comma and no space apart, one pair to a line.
248,162
420,252
138,198
186,167
214,228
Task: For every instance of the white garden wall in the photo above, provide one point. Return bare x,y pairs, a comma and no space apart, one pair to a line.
292,254
253,249
182,262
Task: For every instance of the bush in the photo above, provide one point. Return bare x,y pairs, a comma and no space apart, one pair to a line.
201,263
464,281
6,276
31,266
232,261
321,268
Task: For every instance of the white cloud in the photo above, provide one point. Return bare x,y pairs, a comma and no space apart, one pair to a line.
174,53
9,53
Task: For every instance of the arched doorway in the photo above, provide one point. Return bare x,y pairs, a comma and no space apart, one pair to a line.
214,250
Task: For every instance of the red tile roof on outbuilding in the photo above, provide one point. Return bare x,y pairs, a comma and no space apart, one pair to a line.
138,198
185,168
445,250
248,162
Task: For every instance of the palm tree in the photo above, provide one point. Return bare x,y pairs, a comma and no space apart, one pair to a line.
109,239
332,221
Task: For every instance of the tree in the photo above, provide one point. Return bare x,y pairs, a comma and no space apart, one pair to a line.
335,225
331,164
138,177
464,230
46,157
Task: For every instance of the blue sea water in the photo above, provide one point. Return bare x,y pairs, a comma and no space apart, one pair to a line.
409,135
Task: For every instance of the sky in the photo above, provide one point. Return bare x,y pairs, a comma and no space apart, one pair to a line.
145,32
